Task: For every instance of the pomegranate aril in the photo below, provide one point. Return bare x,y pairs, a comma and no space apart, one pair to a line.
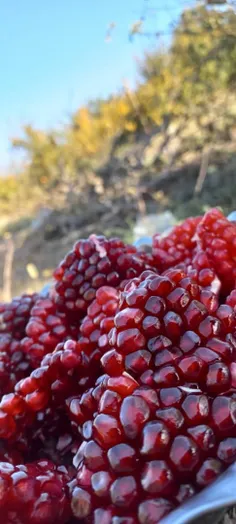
218,377
100,483
195,408
203,436
224,414
208,472
184,453
122,458
109,402
166,376
189,341
153,510
81,503
157,478
227,450
123,491
155,439
134,412
171,397
138,361
172,417
192,369
112,362
185,492
148,394
123,385
107,430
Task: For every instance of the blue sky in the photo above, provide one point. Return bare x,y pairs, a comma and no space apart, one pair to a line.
54,57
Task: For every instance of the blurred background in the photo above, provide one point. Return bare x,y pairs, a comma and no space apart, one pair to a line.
117,118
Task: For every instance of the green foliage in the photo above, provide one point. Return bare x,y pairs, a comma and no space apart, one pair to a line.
184,81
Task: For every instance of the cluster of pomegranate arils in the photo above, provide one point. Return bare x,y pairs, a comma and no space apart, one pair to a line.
118,389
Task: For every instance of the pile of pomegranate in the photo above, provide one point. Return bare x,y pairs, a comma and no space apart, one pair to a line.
118,388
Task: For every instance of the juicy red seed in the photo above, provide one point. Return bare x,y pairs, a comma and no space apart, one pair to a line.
227,450
192,368
128,317
207,473
148,394
155,439
206,355
12,404
172,417
107,430
185,492
123,491
224,413
194,314
189,341
123,385
218,377
173,324
156,306
128,337
184,453
109,402
134,413
178,299
138,361
122,458
81,503
167,376
157,478
196,408
153,510
151,325
112,362
203,436
171,397
167,356
104,515
100,483
94,456
224,349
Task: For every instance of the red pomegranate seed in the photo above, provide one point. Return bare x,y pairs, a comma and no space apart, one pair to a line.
184,453
209,470
227,450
